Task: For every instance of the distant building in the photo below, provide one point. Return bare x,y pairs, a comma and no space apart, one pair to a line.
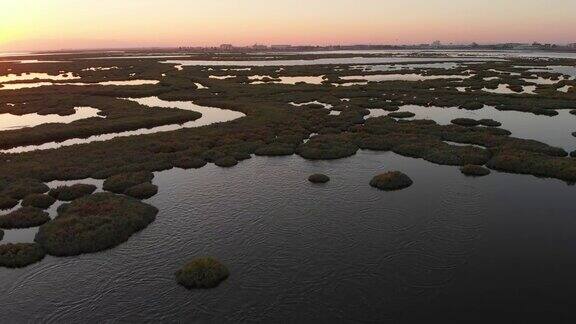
436,44
573,45
281,47
226,47
259,47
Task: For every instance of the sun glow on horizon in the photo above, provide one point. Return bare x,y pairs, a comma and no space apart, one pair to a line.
62,24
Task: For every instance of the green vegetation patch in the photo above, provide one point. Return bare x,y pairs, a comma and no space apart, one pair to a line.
318,178
190,163
275,149
393,180
142,191
20,188
69,193
20,255
7,202
226,161
94,223
119,183
401,114
24,217
328,147
202,273
41,201
474,170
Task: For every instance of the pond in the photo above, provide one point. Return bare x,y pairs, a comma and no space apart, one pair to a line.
10,121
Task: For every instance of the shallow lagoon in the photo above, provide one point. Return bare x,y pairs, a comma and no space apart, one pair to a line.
322,253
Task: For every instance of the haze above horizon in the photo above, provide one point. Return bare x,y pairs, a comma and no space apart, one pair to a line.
68,24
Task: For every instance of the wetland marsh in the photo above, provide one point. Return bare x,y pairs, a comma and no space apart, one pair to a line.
118,169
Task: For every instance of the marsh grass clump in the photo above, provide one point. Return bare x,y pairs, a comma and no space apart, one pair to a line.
24,217
202,273
1,234
119,183
21,188
69,193
142,191
467,122
401,114
226,161
41,201
393,180
472,105
318,178
190,163
94,223
275,149
474,170
328,147
20,255
7,202
489,123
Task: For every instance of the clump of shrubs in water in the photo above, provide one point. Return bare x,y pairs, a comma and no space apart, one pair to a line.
318,178
275,149
24,217
20,255
119,183
7,202
327,147
69,193
474,170
573,154
472,105
190,163
226,161
94,223
41,201
202,273
20,188
469,122
393,180
489,123
401,114
142,191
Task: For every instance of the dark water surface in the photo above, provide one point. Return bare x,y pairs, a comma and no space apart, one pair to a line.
447,249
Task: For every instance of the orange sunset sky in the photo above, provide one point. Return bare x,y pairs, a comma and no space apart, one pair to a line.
67,24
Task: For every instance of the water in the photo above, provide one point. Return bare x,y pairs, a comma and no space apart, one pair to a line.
210,115
288,80
399,67
402,77
9,121
32,76
552,130
504,89
16,86
340,252
323,61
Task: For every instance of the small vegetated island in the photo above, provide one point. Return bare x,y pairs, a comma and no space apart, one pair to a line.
94,223
202,273
392,180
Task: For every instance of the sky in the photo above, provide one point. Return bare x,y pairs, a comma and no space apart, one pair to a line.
84,24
